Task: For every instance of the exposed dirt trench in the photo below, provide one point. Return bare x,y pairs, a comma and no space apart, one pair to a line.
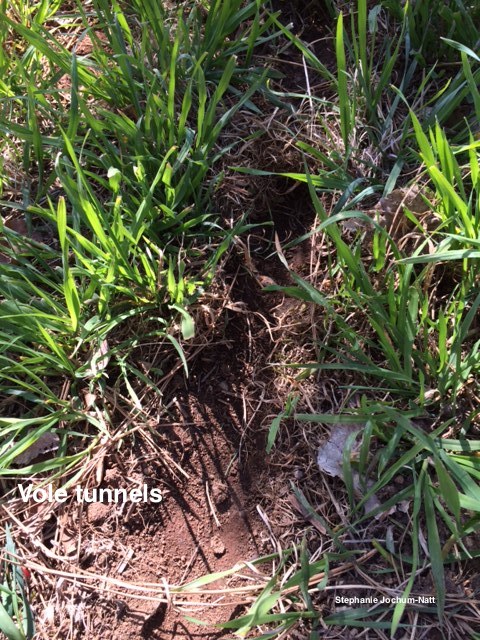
213,477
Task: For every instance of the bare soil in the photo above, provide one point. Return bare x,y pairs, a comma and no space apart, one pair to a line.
213,475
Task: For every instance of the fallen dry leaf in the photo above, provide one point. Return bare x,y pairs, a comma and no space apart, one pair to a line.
330,455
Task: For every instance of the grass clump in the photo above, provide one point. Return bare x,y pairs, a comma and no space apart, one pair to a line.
398,331
111,117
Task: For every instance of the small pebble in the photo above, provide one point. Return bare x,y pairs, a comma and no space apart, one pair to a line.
217,546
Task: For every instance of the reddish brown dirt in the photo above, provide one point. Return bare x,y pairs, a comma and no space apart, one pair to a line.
180,539
207,522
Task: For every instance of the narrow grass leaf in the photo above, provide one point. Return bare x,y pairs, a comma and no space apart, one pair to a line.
435,551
